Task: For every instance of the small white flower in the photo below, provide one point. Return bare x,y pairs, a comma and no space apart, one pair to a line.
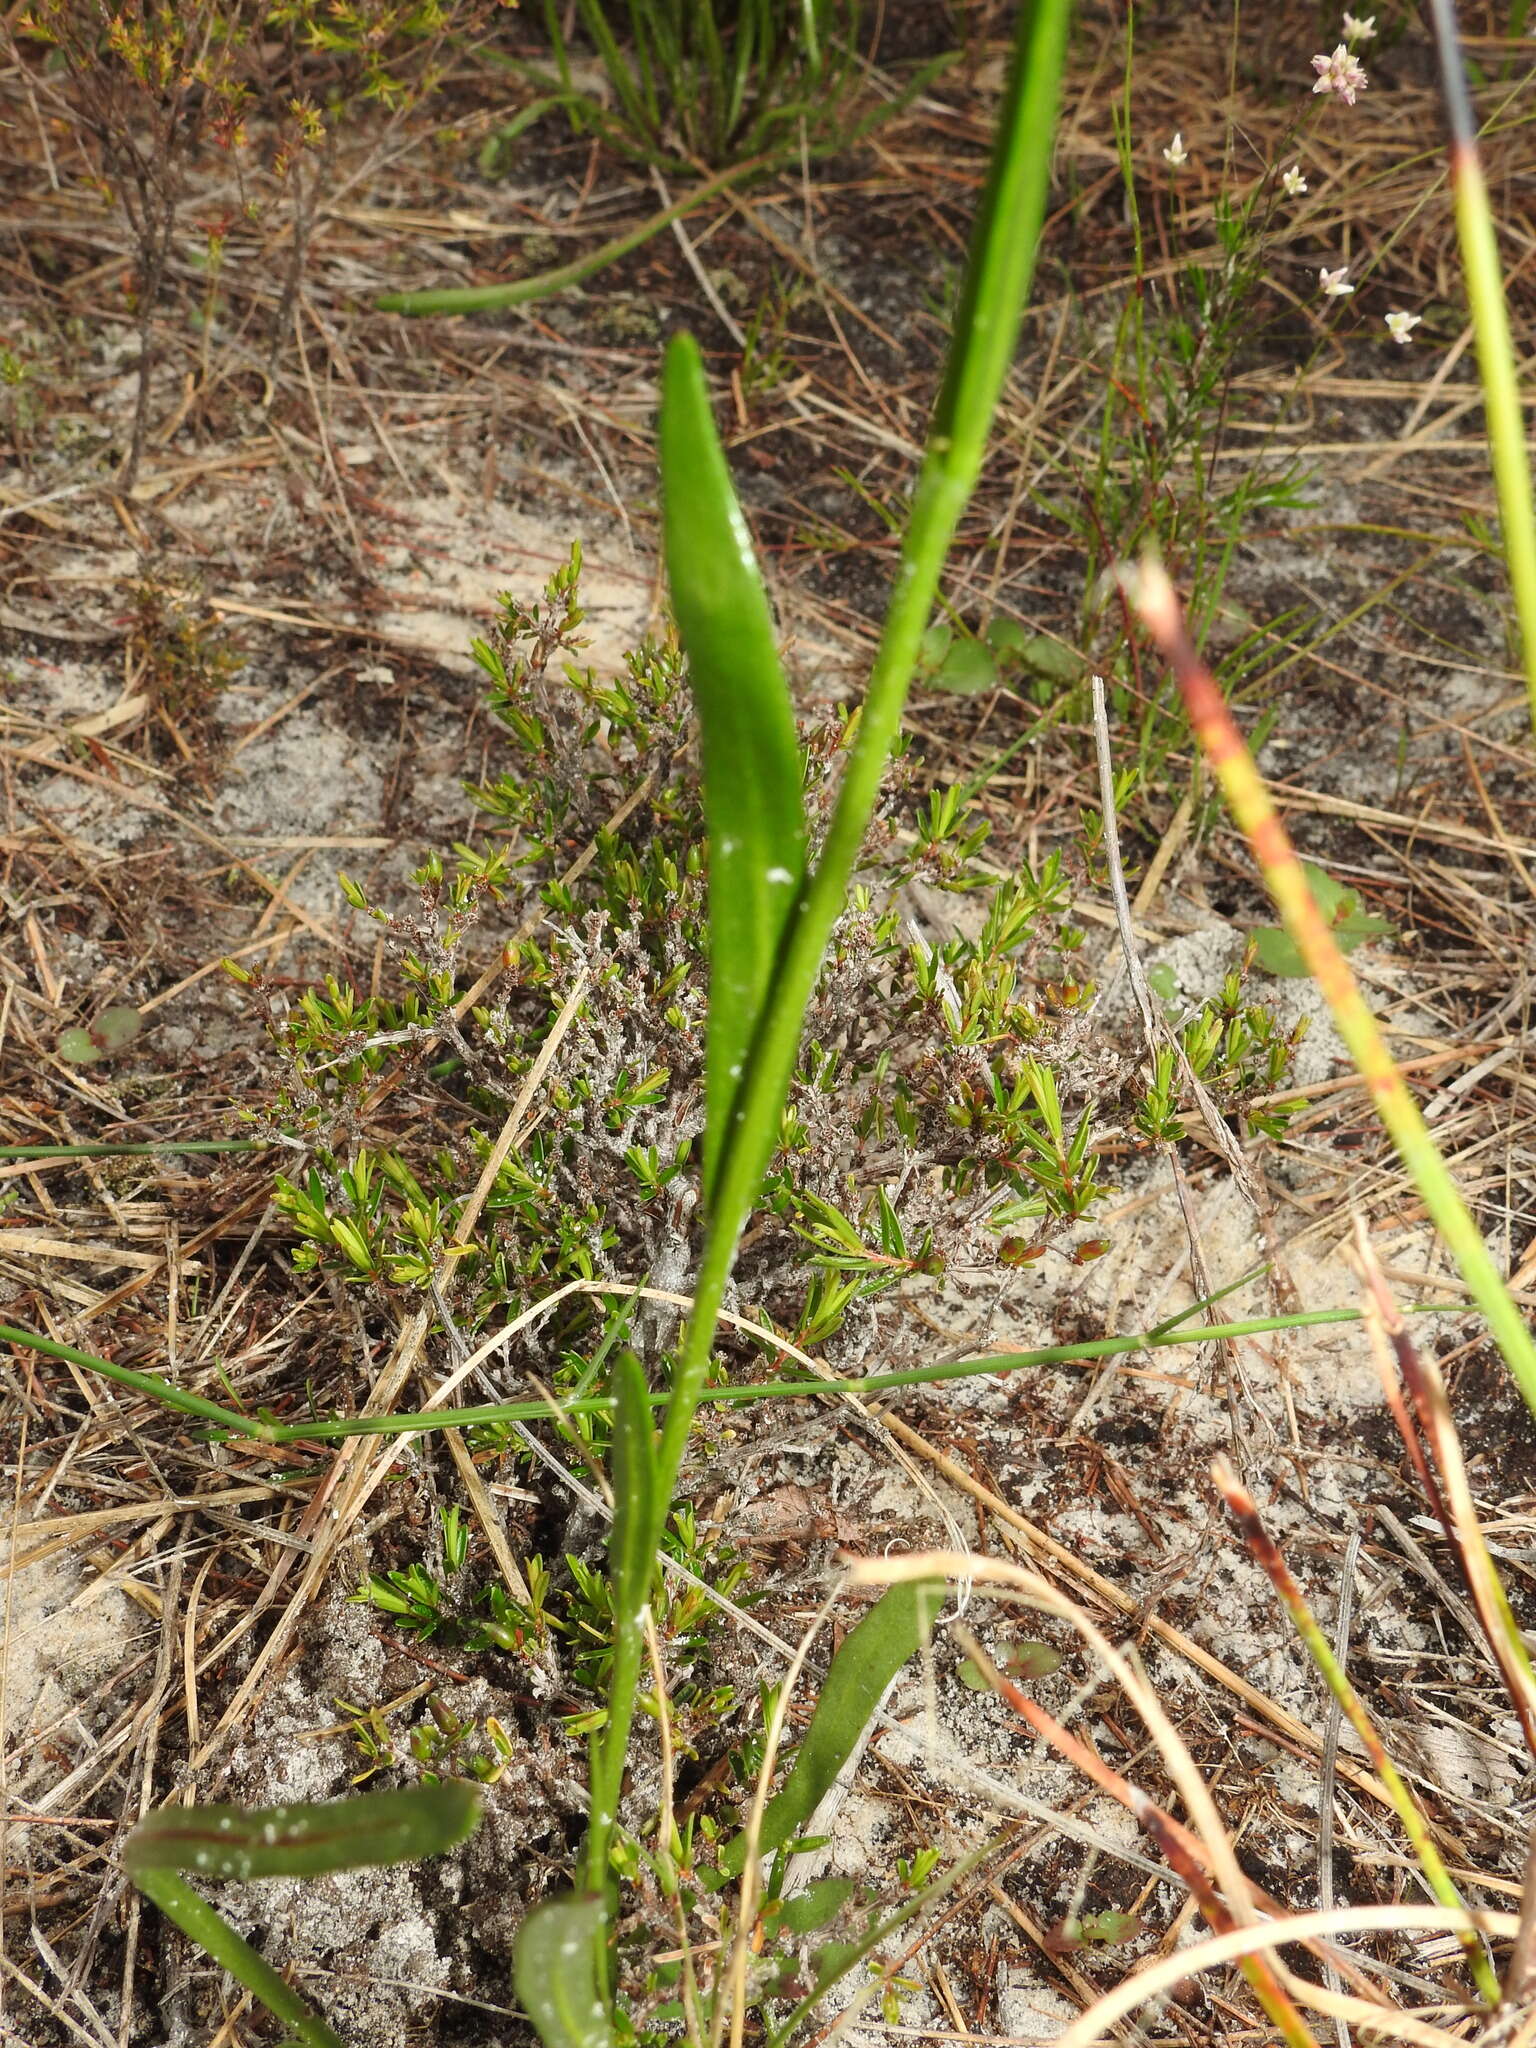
1176,154
1342,73
1401,325
1333,283
1358,28
1295,184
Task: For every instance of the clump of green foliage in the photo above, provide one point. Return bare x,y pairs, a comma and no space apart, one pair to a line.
711,81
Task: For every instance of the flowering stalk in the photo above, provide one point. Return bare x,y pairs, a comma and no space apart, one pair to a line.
1286,880
1490,331
1262,1546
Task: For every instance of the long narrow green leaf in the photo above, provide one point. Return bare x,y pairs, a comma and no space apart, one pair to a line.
997,284
752,775
1497,367
485,298
1169,1335
151,1383
895,1628
636,1510
202,1924
555,1971
304,1841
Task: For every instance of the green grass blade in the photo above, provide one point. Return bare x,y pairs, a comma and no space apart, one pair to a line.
1166,1336
895,1628
555,1971
109,1151
1266,1553
1285,878
639,1507
304,1841
986,334
148,1383
752,774
231,1951
485,298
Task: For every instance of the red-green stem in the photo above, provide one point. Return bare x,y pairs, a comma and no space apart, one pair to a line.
1245,1513
1286,880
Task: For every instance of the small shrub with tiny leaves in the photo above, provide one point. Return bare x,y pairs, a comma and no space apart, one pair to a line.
941,1117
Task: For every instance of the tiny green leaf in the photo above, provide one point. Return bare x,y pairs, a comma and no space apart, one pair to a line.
934,648
895,1627
752,772
555,1971
116,1027
1163,982
1108,1928
1278,954
112,1030
1046,657
1028,1659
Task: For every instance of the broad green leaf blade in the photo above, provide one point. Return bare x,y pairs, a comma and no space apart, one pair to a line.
752,775
636,1510
555,1971
895,1627
304,1841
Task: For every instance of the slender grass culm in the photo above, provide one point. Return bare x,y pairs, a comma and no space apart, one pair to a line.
1285,877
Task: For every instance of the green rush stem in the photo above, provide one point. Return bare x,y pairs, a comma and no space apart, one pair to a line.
1490,330
482,298
151,1384
774,1390
1260,823
109,1151
1166,1337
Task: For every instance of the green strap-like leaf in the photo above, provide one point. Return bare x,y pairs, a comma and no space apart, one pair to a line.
752,776
555,1971
636,1510
894,1628
304,1841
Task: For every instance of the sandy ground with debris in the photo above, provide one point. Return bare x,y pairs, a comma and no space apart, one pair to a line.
146,836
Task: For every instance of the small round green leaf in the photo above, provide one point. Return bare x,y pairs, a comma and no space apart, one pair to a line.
967,669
